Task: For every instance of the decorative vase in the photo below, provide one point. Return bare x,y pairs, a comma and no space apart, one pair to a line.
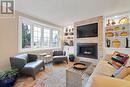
71,58
127,43
8,81
116,43
108,42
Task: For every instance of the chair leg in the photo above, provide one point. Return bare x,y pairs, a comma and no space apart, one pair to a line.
33,75
43,67
66,61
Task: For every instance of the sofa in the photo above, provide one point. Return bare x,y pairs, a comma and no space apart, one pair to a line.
27,64
101,77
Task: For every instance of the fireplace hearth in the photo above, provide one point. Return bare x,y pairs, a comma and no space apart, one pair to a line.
87,50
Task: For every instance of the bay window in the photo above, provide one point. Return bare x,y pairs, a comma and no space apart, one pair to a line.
35,36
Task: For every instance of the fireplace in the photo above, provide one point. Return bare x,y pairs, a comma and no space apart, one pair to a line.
87,50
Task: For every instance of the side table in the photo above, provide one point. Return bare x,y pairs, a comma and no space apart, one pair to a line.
46,57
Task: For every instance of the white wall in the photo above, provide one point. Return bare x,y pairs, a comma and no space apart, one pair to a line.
9,37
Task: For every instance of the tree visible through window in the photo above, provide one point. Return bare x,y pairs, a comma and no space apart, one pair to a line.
26,36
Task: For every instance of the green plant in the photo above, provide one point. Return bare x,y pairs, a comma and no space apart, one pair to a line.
2,75
8,73
71,54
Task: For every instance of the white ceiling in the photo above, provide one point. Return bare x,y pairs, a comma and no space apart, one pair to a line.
66,12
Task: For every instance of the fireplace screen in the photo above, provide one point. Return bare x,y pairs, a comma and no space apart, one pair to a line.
88,50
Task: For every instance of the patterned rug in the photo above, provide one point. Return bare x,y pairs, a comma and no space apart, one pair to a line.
57,78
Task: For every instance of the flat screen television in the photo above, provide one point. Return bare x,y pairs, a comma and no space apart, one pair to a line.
90,30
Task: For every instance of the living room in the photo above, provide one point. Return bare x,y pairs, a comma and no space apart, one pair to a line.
65,43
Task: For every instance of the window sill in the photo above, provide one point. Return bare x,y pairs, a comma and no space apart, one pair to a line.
39,49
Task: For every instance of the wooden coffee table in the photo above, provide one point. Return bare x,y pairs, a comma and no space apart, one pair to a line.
77,78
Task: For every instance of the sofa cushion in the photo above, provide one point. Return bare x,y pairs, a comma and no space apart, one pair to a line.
128,61
59,57
33,64
118,71
127,77
21,56
31,58
58,53
125,71
104,68
118,59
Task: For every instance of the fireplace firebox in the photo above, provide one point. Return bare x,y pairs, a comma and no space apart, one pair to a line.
87,50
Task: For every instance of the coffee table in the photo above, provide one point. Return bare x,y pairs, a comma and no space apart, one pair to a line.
77,78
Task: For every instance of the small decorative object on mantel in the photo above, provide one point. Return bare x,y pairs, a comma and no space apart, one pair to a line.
66,29
127,43
109,34
116,34
117,28
66,34
108,42
124,20
108,22
116,43
72,29
124,33
123,28
71,43
69,30
113,22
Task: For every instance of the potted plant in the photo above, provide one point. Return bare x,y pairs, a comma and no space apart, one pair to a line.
8,78
71,57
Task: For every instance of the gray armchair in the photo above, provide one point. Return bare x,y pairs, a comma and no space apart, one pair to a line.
27,64
59,56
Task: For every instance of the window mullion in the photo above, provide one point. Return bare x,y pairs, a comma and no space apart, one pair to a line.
51,36
32,36
42,37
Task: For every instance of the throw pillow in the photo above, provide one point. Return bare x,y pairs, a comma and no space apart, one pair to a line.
127,78
118,59
31,58
128,61
117,71
124,72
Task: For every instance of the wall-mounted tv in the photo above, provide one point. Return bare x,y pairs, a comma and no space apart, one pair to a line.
89,30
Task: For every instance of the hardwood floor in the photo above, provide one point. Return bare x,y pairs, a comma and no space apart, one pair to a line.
29,82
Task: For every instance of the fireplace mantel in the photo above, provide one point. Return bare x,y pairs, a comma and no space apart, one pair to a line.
98,39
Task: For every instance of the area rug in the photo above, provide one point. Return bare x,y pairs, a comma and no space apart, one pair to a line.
57,78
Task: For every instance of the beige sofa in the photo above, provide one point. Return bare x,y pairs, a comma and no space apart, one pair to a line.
101,77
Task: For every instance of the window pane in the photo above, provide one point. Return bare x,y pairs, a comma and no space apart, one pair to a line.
46,37
55,39
26,36
37,37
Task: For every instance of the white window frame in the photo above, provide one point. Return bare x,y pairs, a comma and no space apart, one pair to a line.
34,23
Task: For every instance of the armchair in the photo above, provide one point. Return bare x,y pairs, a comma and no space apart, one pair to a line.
27,64
59,56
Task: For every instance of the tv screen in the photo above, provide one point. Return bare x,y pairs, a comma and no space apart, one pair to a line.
90,30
